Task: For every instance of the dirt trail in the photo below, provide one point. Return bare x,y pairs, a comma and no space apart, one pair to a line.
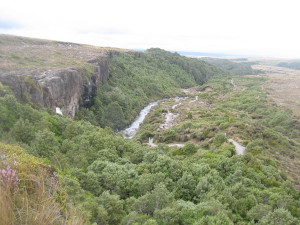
240,150
169,120
232,82
171,116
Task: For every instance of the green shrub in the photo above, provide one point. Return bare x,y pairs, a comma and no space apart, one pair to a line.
219,139
189,148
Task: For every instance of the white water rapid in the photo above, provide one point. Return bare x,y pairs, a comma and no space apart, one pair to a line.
133,128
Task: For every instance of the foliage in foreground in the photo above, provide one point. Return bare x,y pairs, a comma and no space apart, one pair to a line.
30,191
118,181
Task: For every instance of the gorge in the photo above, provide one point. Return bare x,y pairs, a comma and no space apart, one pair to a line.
226,150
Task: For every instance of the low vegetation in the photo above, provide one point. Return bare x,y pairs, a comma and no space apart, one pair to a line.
30,191
24,54
244,113
112,180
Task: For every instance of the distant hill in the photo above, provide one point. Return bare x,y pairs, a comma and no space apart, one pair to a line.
200,70
292,65
235,68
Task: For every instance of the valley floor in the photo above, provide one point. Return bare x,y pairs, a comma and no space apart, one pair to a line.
252,110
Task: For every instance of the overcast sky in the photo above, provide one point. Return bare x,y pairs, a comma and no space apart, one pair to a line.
243,27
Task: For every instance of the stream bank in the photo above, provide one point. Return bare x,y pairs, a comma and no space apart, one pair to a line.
131,131
170,115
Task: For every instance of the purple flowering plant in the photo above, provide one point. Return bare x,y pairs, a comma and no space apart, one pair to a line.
9,176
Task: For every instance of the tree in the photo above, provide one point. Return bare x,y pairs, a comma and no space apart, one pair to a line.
134,218
119,179
45,144
219,219
157,199
185,187
114,115
167,215
87,115
23,131
113,206
258,212
189,148
279,217
7,118
147,182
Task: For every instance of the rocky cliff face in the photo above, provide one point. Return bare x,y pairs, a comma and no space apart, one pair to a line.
52,73
66,88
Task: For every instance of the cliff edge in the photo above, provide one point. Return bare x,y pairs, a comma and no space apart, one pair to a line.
57,75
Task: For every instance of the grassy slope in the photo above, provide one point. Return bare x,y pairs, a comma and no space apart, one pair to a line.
20,53
30,191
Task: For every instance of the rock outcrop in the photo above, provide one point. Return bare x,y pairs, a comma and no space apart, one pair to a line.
66,88
59,75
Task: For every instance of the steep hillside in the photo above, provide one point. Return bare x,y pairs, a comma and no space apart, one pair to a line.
135,80
200,70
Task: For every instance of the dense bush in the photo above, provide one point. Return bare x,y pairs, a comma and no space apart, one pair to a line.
118,181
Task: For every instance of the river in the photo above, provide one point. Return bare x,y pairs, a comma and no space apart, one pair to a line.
131,131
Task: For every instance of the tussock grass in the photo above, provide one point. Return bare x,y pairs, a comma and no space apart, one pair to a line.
32,194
